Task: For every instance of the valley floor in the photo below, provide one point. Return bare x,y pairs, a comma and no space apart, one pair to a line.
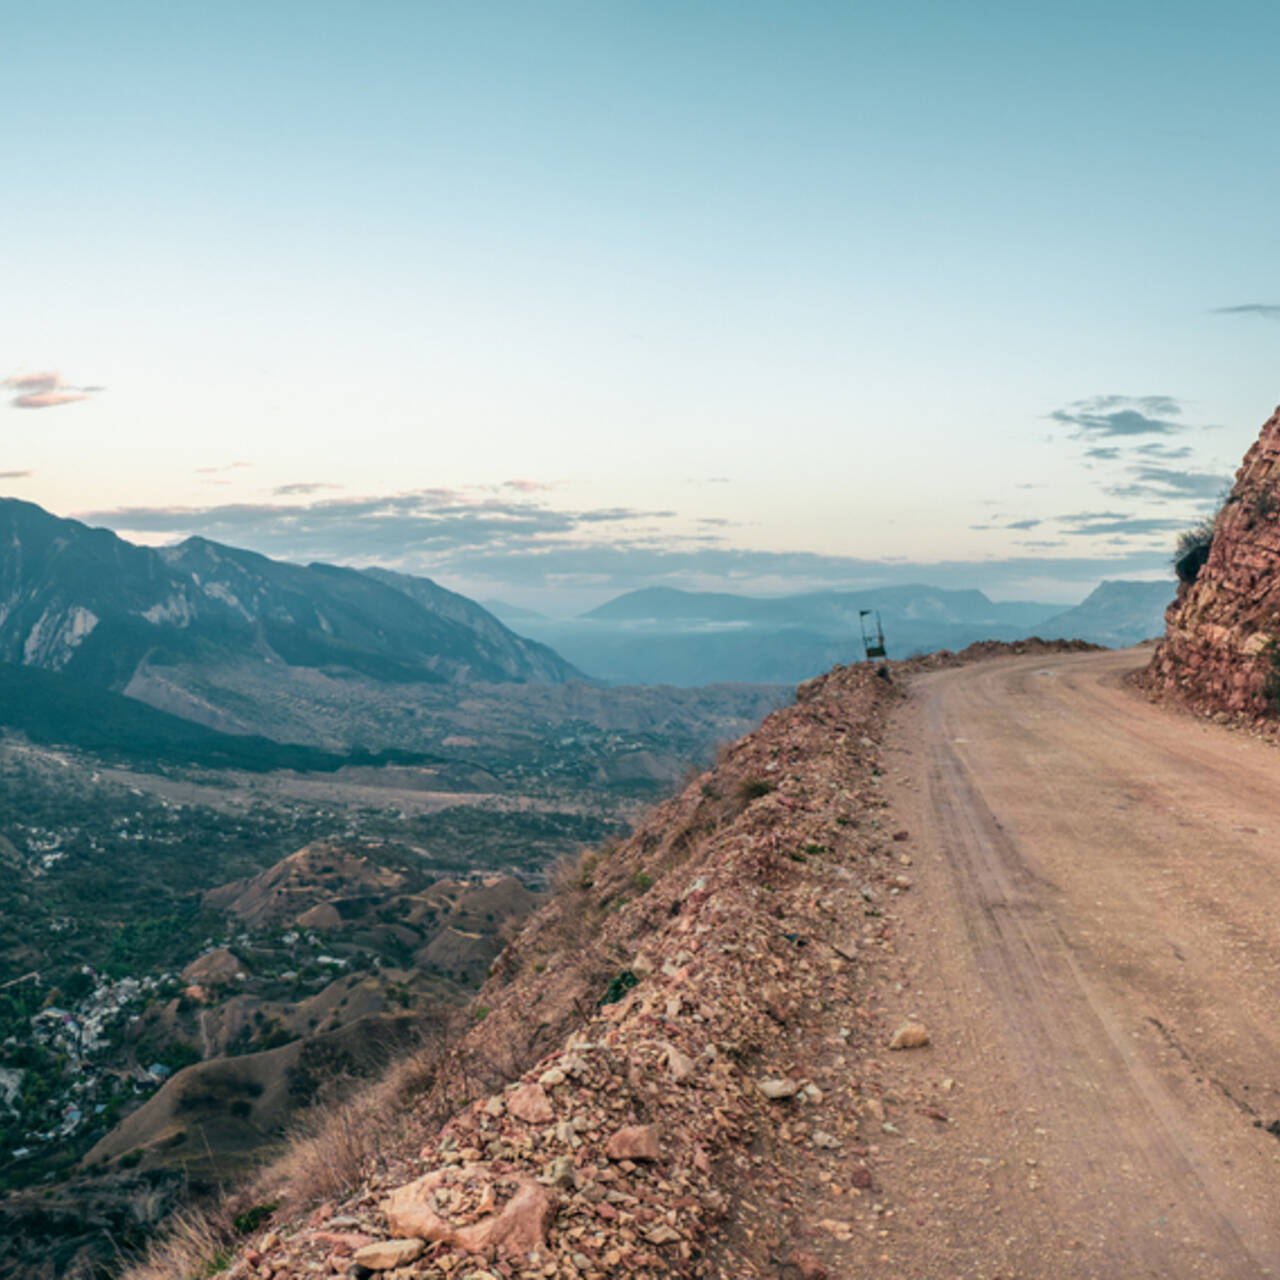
1093,939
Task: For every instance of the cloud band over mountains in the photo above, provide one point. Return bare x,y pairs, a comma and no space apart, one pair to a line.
442,532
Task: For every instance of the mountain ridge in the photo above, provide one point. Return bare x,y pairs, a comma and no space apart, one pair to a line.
662,635
86,601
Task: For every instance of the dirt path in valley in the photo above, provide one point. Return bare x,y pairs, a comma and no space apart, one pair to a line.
1094,941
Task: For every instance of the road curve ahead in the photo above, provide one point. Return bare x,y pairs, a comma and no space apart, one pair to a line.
1096,947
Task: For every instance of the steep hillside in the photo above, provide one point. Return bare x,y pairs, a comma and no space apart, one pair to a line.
521,659
1220,650
678,1067
85,601
575,732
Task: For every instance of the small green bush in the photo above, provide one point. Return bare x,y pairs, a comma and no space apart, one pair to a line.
219,1262
1192,550
251,1219
753,788
619,987
642,881
131,1159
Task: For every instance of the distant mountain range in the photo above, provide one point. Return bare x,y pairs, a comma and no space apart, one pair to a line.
207,655
826,611
661,635
86,602
1116,614
214,633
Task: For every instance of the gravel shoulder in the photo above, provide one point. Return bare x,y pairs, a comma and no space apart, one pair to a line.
1094,942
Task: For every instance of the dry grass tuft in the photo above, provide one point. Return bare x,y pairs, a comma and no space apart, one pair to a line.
330,1151
335,1146
195,1244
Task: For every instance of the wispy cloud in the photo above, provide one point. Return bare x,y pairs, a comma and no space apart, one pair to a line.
47,399
1105,417
44,390
214,471
34,381
1094,524
421,522
492,544
14,475
300,488
527,486
1263,310
1023,524
1135,468
1166,482
1169,452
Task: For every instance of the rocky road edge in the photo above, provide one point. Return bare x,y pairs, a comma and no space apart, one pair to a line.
653,1135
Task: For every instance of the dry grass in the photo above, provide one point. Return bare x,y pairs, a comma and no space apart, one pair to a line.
336,1146
330,1151
574,873
194,1244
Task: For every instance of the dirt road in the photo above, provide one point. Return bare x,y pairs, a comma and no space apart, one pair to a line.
1094,942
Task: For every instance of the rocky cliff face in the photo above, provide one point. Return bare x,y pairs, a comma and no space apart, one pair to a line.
1221,650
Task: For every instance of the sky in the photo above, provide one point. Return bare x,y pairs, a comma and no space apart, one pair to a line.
549,301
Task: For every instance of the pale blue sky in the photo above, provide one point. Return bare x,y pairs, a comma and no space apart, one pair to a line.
739,295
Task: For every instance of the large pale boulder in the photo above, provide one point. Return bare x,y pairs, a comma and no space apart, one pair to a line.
514,1231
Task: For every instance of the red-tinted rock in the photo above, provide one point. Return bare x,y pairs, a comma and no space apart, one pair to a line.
809,1267
1222,629
530,1104
635,1142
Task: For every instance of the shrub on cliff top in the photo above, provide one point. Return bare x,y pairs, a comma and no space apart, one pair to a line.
1192,550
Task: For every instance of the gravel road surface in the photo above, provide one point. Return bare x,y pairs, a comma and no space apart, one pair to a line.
1093,939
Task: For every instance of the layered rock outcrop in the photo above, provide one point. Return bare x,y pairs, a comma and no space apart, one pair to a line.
1221,650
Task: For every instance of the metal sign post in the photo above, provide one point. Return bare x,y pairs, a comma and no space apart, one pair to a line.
872,642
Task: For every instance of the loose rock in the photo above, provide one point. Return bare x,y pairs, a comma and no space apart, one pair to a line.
778,1089
911,1035
386,1254
530,1104
634,1142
